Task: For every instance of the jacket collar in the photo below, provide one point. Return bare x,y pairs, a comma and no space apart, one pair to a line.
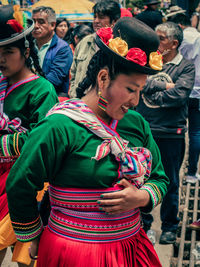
176,60
54,40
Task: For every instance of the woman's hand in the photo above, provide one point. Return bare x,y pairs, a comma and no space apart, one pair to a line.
128,198
33,249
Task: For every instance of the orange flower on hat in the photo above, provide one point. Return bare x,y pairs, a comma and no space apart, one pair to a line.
18,15
155,61
119,46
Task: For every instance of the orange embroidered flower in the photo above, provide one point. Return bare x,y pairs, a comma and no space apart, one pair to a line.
119,46
155,61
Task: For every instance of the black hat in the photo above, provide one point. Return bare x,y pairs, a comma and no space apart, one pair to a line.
133,44
151,2
13,24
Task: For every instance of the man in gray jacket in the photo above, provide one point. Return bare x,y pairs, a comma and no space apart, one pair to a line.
164,104
106,13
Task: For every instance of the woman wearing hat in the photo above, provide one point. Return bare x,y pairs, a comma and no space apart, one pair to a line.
91,150
25,98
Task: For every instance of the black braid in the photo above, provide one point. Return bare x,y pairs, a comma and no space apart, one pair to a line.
97,62
33,60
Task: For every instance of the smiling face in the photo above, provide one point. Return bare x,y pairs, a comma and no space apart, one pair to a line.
123,93
62,29
12,62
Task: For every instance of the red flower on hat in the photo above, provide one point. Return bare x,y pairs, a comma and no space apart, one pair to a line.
16,26
105,34
137,55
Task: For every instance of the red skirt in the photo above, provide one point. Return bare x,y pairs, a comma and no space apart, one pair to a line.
60,252
5,168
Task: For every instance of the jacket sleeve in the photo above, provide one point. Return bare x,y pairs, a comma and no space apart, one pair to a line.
72,91
11,144
60,66
137,131
158,182
41,158
174,97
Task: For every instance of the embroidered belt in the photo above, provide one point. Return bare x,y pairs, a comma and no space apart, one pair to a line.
75,215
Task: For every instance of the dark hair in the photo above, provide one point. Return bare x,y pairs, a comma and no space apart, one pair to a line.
81,31
48,10
32,62
108,8
99,61
182,19
60,20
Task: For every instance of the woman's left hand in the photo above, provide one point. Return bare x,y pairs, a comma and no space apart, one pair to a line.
128,198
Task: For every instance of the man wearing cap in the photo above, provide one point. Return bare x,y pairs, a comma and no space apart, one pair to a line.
151,16
164,104
106,13
55,54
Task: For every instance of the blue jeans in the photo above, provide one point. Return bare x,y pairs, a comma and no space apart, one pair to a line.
194,135
172,152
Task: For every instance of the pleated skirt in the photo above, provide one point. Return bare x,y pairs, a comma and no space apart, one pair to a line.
56,251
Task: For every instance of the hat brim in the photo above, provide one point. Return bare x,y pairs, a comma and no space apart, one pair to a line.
122,60
175,13
152,3
18,36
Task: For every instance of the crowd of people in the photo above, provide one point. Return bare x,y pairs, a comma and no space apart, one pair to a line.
92,132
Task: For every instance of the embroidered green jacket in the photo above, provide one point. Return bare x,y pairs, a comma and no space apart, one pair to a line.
61,152
29,101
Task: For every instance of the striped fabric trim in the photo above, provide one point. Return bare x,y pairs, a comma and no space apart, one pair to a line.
75,215
11,88
3,85
154,192
28,231
5,146
9,145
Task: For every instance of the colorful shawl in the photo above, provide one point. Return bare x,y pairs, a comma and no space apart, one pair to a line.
134,162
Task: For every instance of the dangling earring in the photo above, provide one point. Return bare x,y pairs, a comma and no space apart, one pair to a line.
102,103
